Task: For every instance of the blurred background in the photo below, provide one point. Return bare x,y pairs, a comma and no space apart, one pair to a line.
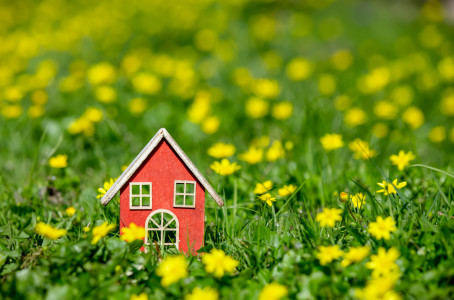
96,80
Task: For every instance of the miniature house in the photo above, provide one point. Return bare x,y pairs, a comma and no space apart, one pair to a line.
164,192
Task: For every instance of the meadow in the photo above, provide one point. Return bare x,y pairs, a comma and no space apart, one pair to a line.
327,127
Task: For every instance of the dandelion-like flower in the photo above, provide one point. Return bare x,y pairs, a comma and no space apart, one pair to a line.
225,167
402,159
286,190
382,228
329,253
142,296
384,262
332,141
218,263
59,162
221,150
273,291
253,156
70,211
172,269
329,216
207,293
101,231
358,200
388,188
267,198
263,187
132,233
361,149
49,232
107,184
355,254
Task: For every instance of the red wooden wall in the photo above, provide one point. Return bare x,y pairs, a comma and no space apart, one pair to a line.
162,168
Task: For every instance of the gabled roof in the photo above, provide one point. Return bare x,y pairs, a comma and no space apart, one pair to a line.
143,155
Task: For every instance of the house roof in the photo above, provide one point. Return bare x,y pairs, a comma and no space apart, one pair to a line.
143,155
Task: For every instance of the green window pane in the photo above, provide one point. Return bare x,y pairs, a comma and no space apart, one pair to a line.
145,201
180,187
167,218
189,200
179,199
135,189
157,218
154,236
146,189
170,236
172,225
135,201
190,188
151,224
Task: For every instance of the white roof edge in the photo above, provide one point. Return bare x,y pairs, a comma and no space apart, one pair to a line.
143,155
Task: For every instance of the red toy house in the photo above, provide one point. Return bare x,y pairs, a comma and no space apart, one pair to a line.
164,192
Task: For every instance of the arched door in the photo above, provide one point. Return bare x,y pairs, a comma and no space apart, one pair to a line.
162,227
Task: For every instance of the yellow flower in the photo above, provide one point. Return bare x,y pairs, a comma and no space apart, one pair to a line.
256,108
221,150
282,110
402,159
12,111
207,293
326,84
437,134
253,156
375,80
414,117
93,114
329,216
263,187
172,269
342,59
342,102
402,95
102,73
107,185
388,188
379,288
142,296
328,254
206,39
361,149
49,232
382,228
218,263
355,254
60,161
267,199
384,262
224,167
298,69
447,104
266,88
286,190
137,106
70,211
211,124
86,228
385,110
355,116
132,233
35,111
81,125
146,83
380,130
332,141
105,94
358,200
275,152
343,196
101,231
273,291
200,108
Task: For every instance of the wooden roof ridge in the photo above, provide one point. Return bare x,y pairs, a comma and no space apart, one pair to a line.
144,154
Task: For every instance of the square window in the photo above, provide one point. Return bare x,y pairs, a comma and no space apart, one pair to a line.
180,188
170,236
145,201
146,189
135,189
135,201
189,200
190,188
154,236
179,199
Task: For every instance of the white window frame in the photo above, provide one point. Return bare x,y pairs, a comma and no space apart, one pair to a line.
162,227
141,207
184,194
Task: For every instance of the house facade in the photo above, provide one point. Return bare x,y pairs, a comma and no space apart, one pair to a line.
164,192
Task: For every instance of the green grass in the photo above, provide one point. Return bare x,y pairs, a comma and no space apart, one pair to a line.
272,244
